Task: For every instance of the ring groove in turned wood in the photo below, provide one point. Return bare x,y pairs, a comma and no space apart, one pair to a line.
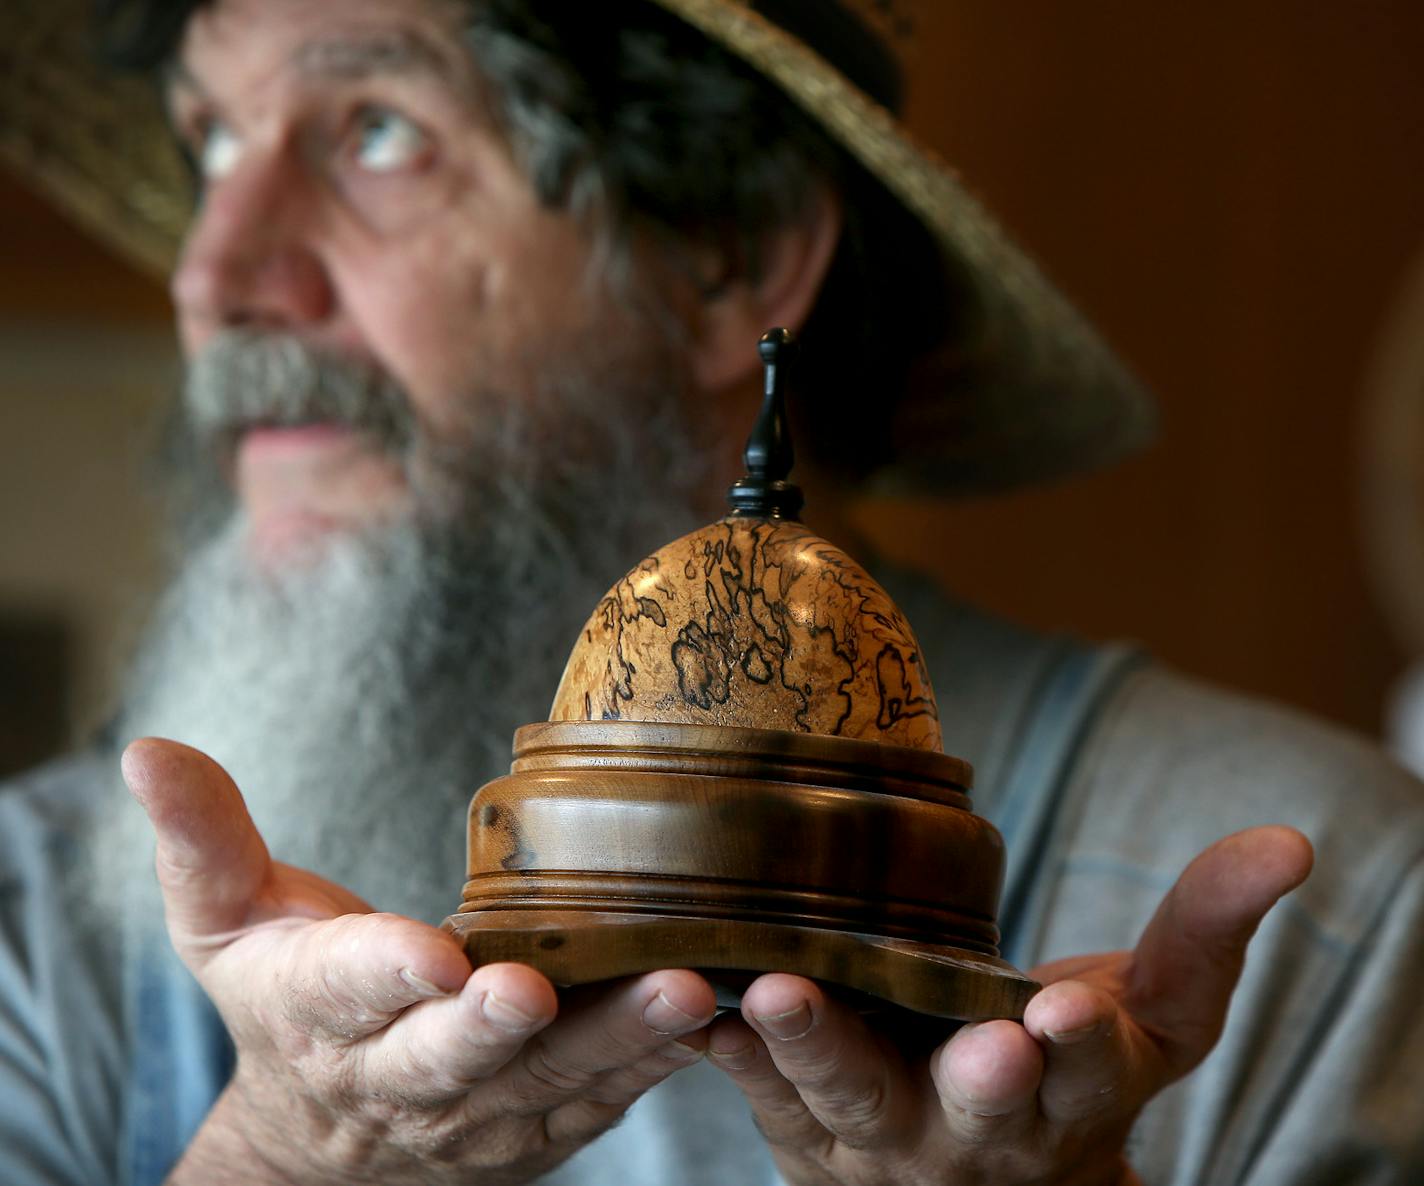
719,748
720,898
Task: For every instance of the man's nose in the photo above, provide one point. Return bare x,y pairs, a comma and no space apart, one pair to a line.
252,257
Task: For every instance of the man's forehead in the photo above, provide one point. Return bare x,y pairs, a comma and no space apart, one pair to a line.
354,42
359,54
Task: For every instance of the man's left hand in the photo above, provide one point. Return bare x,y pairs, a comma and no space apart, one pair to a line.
1048,1101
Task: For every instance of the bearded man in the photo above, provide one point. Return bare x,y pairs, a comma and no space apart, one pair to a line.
469,303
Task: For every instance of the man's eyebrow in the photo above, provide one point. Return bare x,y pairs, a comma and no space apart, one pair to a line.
349,59
344,59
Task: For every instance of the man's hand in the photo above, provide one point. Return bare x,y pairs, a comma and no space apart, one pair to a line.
1048,1101
367,1050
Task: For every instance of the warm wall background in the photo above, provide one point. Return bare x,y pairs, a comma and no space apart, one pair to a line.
86,357
1233,191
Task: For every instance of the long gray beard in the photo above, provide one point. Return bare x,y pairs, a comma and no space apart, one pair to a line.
359,699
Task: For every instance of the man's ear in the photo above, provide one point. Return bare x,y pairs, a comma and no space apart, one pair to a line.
731,319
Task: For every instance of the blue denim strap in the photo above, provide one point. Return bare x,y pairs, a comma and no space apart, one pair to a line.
181,1059
1043,762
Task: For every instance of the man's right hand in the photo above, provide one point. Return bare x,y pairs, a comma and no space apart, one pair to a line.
368,1051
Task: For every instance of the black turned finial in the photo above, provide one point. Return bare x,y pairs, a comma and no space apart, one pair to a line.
765,493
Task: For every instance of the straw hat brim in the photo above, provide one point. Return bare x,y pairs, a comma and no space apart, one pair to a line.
1033,394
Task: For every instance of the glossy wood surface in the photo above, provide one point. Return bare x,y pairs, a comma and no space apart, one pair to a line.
615,847
581,947
753,623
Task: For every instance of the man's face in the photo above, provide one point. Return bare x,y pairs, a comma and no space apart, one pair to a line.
441,505
359,199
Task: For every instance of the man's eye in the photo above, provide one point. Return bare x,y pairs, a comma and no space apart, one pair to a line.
386,141
218,151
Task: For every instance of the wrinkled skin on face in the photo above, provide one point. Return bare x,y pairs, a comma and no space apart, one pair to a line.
358,195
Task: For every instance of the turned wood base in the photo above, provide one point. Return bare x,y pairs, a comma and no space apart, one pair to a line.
619,847
582,946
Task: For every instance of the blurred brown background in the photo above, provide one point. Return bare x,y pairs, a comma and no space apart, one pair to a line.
1232,191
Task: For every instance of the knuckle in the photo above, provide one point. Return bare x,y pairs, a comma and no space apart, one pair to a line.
178,875
979,1131
1106,1098
315,1007
339,1082
435,1137
821,1072
580,1121
426,1078
624,1087
330,987
862,1112
983,1126
545,1076
794,1130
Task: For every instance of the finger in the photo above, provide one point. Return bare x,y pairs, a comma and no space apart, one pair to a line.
987,1077
443,1048
211,861
851,1083
608,1098
343,979
212,865
1189,958
1096,1064
777,1107
608,1030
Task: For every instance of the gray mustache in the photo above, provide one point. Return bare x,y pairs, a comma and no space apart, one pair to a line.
245,378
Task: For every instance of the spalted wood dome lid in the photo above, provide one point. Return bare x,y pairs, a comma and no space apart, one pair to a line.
754,622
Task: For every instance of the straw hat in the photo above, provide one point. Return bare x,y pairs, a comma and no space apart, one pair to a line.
1044,396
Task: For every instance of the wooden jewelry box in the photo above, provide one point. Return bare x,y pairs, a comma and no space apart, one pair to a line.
742,773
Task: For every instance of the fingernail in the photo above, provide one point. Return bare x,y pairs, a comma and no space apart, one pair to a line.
734,1060
794,1023
503,1014
680,1052
421,985
663,1017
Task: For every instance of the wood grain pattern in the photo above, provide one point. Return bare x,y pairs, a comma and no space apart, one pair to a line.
614,847
582,947
753,623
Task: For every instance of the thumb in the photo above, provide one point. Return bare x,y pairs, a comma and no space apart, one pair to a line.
1189,958
211,861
